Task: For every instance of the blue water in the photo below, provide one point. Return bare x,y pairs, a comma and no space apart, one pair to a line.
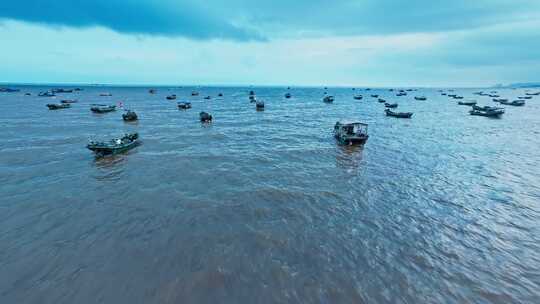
265,207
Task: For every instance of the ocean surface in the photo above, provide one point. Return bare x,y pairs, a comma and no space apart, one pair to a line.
266,207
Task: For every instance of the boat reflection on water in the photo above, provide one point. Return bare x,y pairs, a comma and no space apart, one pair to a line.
349,157
111,167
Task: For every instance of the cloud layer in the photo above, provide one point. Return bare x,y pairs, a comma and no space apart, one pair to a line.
255,20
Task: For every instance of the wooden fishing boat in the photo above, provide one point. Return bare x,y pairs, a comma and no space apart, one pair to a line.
458,97
105,94
499,99
101,108
184,105
62,90
358,97
328,99
516,103
259,105
9,90
351,133
171,97
467,103
130,116
69,101
288,95
485,108
46,94
401,94
205,117
420,98
194,93
398,114
252,98
381,100
525,97
152,91
208,97
488,113
391,105
375,96
114,146
220,95
53,106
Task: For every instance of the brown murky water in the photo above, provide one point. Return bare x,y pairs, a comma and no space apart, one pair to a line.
264,207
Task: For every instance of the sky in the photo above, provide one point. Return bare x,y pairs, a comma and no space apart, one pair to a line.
377,43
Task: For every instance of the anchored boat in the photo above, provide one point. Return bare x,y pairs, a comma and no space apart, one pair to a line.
358,97
398,114
53,106
69,101
467,103
288,95
184,105
420,98
351,133
495,112
205,117
516,103
114,146
328,99
101,108
130,116
171,97
391,105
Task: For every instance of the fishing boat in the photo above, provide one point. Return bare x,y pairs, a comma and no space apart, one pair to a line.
252,98
458,97
171,97
381,100
114,146
77,89
391,105
420,98
9,90
375,96
525,97
105,94
485,108
444,94
101,108
62,90
288,95
328,99
452,95
351,133
208,97
489,113
27,94
205,117
251,93
194,93
494,96
46,94
467,103
358,97
184,105
130,116
398,114
499,99
53,106
532,94
259,105
401,94
152,91
516,103
69,101
220,95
